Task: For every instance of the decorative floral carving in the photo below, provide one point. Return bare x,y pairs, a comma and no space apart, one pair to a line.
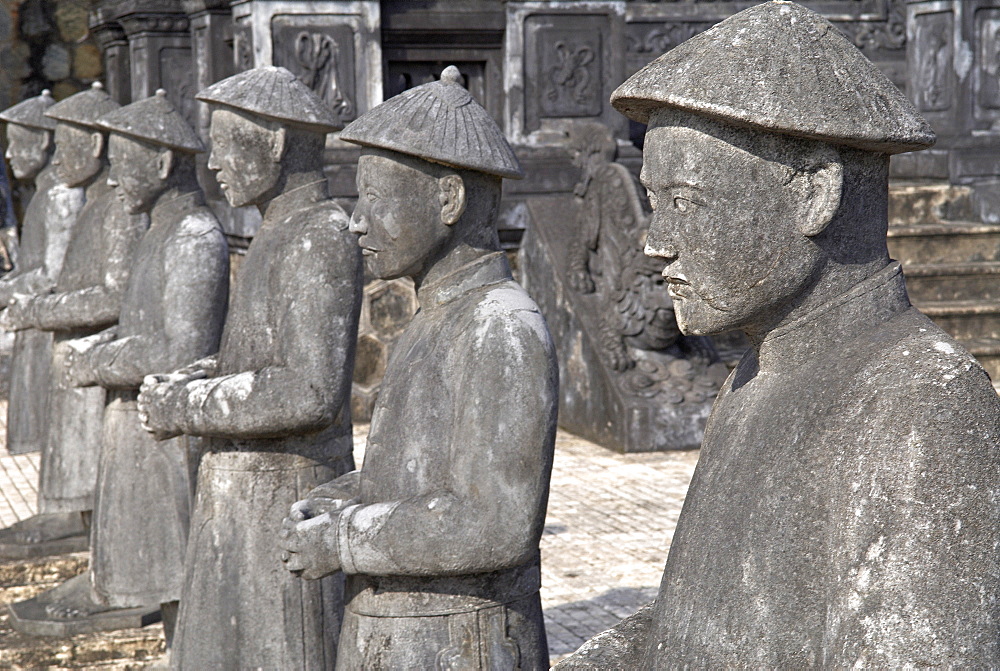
572,72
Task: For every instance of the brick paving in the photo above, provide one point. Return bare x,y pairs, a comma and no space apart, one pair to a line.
609,524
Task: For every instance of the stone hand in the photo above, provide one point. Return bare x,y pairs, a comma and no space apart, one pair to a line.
71,364
309,546
157,394
314,506
15,317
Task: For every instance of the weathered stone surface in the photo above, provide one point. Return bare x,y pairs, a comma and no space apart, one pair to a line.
628,379
848,477
171,314
462,434
276,399
56,62
45,233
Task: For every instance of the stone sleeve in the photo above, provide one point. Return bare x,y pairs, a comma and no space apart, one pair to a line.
621,647
31,282
94,306
319,298
196,274
490,517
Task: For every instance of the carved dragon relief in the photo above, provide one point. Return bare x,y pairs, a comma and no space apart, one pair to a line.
638,334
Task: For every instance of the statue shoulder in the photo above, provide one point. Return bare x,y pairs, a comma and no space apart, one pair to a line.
506,313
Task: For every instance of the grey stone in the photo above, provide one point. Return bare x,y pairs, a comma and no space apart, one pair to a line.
56,62
846,490
171,314
461,134
275,401
628,379
45,233
462,434
85,300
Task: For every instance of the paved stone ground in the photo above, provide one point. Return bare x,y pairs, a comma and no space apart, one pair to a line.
608,529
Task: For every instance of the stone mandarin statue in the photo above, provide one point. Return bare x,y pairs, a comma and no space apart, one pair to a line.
844,509
172,313
438,533
276,400
48,218
84,300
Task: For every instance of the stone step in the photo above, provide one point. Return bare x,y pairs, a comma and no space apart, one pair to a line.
953,281
928,203
947,242
965,320
119,650
987,352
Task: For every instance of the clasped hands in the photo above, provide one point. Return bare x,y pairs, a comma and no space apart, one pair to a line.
15,317
157,395
308,537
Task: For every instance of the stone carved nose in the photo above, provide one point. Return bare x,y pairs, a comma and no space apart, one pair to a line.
358,225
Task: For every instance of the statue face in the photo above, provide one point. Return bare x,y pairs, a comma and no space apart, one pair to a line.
137,171
78,153
725,221
27,150
398,216
243,157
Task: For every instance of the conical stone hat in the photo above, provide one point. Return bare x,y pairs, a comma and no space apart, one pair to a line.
84,108
440,122
782,68
31,112
273,93
154,120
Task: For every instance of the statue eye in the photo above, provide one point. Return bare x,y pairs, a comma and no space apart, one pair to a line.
682,204
371,196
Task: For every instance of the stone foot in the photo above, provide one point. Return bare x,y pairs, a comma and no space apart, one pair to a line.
70,609
44,535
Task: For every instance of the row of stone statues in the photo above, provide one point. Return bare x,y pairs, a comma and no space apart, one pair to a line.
845,507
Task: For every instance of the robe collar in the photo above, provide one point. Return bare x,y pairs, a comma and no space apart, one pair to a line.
484,271
176,205
866,305
296,199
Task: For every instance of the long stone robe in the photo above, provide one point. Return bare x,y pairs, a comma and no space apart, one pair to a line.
278,406
845,510
87,299
172,314
441,550
45,233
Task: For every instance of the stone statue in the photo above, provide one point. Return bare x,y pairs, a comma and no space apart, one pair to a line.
630,380
171,314
276,400
48,218
844,509
85,300
49,215
438,532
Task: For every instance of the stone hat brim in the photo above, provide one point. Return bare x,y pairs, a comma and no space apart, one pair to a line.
438,122
276,94
781,68
31,112
154,120
84,108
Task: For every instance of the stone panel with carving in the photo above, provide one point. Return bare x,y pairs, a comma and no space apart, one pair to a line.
320,51
988,27
933,78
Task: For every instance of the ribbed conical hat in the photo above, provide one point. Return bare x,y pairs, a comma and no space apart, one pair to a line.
782,68
273,93
154,119
31,112
84,108
440,122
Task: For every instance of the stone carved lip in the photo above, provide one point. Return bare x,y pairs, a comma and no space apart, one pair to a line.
676,285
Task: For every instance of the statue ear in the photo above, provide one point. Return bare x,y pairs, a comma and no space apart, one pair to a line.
278,139
451,193
823,189
46,140
164,163
97,144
